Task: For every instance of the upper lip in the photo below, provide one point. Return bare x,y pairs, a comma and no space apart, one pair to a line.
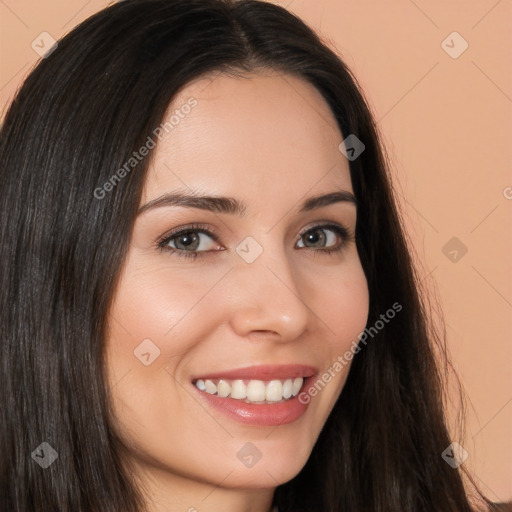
262,372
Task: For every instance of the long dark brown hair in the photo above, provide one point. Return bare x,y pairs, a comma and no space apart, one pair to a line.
78,117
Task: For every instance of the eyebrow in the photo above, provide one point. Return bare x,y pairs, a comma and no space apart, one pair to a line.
232,206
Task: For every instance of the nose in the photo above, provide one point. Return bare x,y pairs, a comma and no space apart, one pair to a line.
265,299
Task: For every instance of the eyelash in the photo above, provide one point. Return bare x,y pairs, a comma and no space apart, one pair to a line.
341,231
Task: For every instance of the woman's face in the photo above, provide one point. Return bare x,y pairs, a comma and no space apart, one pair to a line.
256,291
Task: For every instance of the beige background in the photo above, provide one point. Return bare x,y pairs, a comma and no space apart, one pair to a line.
447,125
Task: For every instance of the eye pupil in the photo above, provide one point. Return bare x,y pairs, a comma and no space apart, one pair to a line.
187,241
316,238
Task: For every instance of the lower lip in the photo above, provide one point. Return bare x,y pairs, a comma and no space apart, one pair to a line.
259,414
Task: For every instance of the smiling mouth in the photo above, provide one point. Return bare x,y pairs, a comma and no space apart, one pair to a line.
252,391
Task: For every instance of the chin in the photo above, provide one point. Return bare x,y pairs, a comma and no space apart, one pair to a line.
277,465
262,478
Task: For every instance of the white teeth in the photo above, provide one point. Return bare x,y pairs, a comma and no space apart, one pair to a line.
274,391
223,388
297,384
254,391
287,388
210,387
238,390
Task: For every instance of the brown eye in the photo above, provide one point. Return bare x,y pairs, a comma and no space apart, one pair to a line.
190,240
319,238
187,241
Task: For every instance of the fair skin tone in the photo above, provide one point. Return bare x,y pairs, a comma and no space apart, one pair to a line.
271,143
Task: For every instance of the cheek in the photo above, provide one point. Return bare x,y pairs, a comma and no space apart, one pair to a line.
340,299
155,301
347,307
157,319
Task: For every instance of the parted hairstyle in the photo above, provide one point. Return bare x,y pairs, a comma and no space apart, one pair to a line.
81,114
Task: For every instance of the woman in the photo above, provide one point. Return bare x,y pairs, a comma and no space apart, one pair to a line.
207,298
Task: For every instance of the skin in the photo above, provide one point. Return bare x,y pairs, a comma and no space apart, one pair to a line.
269,141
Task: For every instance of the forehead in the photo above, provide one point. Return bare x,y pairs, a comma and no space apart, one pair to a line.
270,133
